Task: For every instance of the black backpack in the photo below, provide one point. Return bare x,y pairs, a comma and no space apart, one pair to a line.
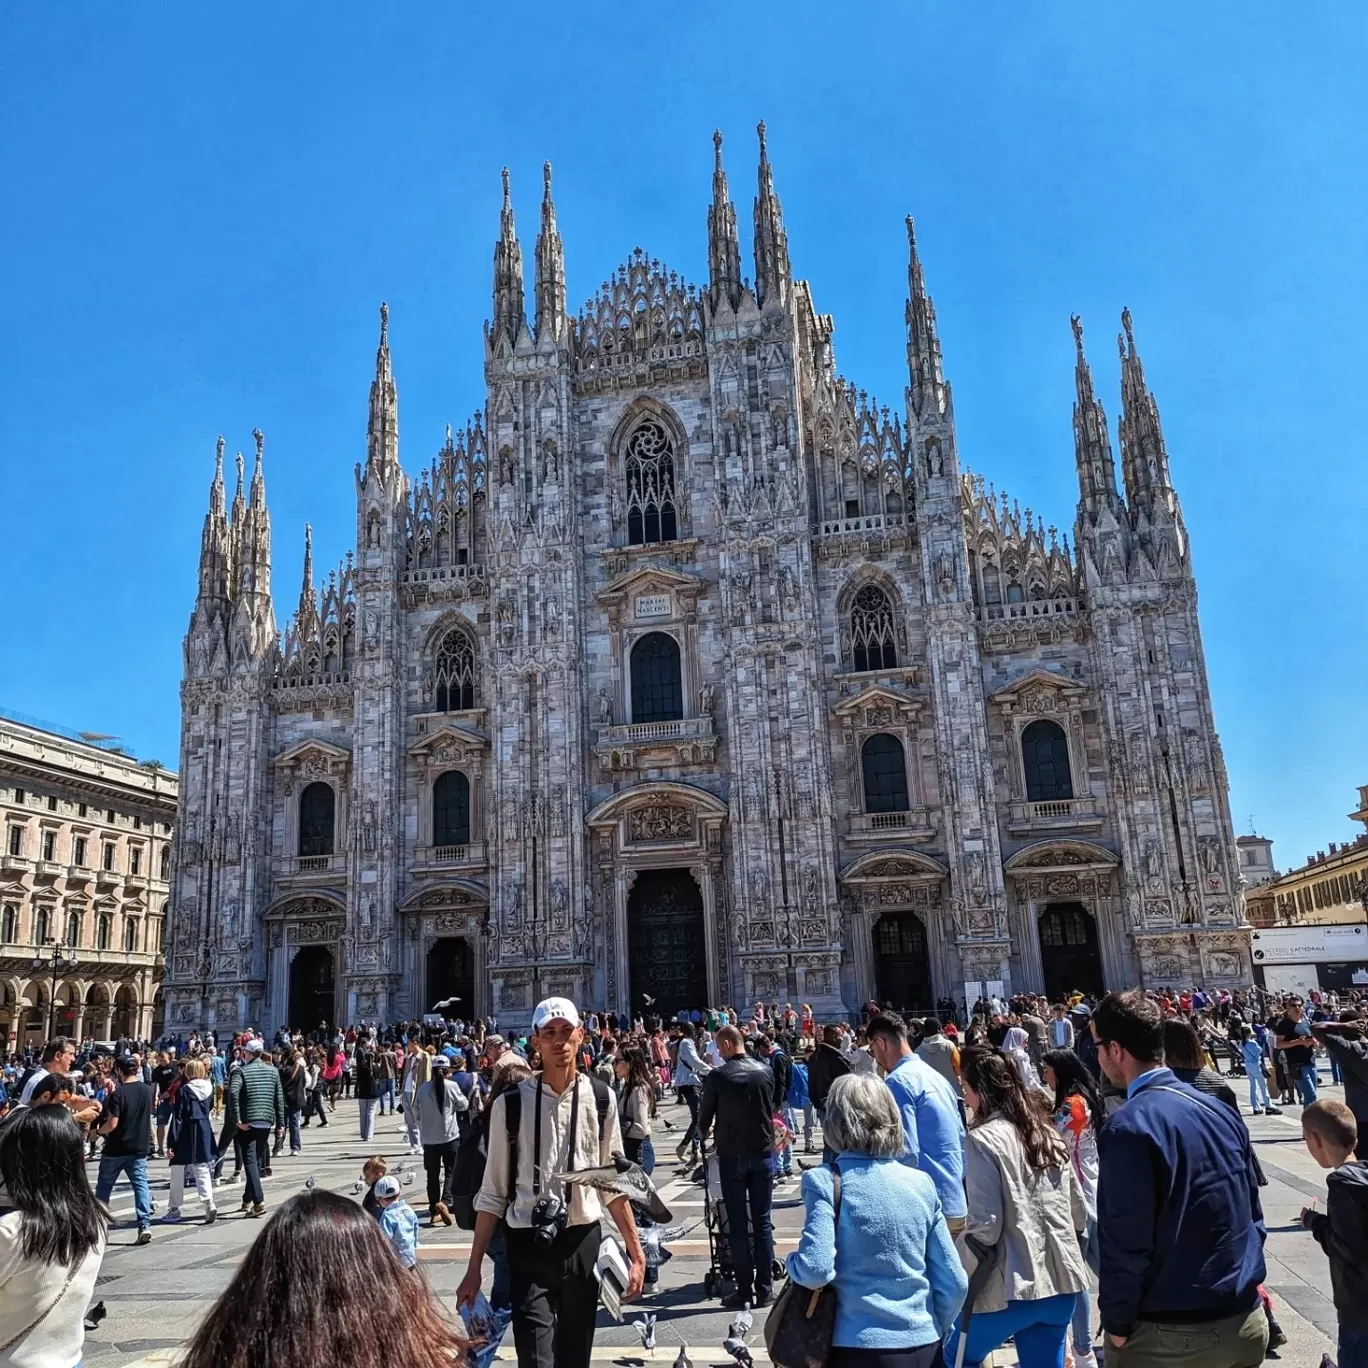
473,1151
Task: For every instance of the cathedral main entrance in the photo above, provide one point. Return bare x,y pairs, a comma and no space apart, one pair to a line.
450,978
666,936
313,988
902,963
1069,952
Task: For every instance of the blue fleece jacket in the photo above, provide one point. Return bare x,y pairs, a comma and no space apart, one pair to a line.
1180,1228
933,1133
899,1281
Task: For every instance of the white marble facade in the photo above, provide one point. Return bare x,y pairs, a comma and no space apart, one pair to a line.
688,670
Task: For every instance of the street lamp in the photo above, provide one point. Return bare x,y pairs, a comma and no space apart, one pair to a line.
61,958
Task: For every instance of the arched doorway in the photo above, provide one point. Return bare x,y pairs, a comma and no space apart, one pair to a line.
666,958
902,963
450,974
313,987
1069,953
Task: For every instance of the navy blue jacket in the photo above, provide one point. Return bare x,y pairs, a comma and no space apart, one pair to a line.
1180,1228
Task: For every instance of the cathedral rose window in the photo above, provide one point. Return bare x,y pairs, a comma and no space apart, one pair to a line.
650,484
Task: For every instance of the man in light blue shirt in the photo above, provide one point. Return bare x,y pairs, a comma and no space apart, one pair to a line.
933,1130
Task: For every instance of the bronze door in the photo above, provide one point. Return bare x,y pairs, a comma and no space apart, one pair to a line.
666,960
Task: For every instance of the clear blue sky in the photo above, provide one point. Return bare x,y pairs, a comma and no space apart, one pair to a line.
204,211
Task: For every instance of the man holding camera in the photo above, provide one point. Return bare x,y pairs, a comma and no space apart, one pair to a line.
564,1123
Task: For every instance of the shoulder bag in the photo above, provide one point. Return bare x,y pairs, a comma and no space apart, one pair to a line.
802,1321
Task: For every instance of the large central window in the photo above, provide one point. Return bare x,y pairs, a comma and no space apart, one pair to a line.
650,485
871,630
317,807
1045,760
657,685
451,809
454,677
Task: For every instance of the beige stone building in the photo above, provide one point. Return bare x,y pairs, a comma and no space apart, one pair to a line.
85,878
689,672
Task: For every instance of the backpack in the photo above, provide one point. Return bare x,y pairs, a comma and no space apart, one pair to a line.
472,1152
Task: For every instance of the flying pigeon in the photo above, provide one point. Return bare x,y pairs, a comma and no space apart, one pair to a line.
741,1324
645,1329
682,1359
648,999
624,1179
737,1349
653,1242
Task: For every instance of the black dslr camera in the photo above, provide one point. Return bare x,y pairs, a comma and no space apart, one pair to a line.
549,1218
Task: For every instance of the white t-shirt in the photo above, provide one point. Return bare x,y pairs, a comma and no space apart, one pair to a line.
28,1289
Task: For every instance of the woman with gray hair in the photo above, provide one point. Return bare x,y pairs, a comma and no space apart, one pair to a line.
875,1229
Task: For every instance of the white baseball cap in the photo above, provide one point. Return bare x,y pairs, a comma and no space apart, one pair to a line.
555,1009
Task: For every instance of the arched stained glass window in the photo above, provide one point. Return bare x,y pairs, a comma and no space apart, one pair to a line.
871,630
651,515
454,678
1045,760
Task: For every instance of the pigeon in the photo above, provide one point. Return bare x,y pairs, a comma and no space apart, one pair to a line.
737,1349
741,1324
653,1242
311,1182
669,1125
408,1179
95,1315
645,1328
648,999
358,1185
624,1179
682,1359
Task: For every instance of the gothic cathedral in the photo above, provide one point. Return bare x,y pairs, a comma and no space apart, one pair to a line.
687,674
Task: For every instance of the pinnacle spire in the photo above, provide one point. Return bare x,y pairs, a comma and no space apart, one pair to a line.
1144,457
509,309
307,614
1092,445
216,504
258,476
773,273
928,390
724,249
308,560
382,428
550,284
215,568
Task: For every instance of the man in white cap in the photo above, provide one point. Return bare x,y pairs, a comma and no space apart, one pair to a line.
565,1121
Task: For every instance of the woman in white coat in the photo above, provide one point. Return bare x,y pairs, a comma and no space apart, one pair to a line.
52,1238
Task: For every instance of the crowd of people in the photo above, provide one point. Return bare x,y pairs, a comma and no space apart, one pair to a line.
1040,1173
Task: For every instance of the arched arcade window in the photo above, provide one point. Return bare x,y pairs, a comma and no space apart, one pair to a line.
451,809
650,469
102,932
454,678
73,929
871,630
130,933
657,683
317,809
885,774
1045,761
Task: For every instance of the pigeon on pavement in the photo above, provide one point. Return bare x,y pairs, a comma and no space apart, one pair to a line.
682,1359
737,1349
645,1329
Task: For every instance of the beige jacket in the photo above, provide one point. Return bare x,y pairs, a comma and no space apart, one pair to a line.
1034,1217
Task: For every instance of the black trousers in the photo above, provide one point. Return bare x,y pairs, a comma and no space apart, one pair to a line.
435,1159
928,1356
555,1296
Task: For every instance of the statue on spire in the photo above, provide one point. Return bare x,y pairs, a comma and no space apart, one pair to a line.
724,248
550,262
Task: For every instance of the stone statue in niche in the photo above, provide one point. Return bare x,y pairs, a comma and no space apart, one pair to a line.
605,708
935,464
705,701
366,912
945,574
977,871
368,828
1209,852
615,508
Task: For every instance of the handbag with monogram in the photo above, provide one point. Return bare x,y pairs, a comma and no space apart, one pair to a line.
802,1321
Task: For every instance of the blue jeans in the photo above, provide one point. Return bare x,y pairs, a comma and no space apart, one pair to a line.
1335,1075
1039,1327
1082,1324
747,1192
1307,1083
296,1137
386,1092
1258,1091
1353,1348
135,1166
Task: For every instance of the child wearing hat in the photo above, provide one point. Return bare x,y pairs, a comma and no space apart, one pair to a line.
398,1221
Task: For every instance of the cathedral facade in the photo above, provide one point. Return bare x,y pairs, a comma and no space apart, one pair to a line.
686,673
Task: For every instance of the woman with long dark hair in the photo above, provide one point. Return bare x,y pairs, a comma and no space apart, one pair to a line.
636,1082
1023,1198
305,1295
1079,1115
52,1237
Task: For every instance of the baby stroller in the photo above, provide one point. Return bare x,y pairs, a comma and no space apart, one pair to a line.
720,1279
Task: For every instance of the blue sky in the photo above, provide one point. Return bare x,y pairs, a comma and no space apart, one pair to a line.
204,211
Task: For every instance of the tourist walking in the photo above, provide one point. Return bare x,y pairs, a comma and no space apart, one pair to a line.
876,1232
738,1099
367,1084
439,1104
294,1085
933,1131
636,1106
190,1142
417,1071
1026,1207
690,1071
1292,1035
1181,1256
127,1129
256,1106
52,1238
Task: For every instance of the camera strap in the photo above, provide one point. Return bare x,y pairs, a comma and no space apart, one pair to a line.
536,1135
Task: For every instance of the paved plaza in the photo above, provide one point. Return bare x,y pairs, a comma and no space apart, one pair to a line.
157,1295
